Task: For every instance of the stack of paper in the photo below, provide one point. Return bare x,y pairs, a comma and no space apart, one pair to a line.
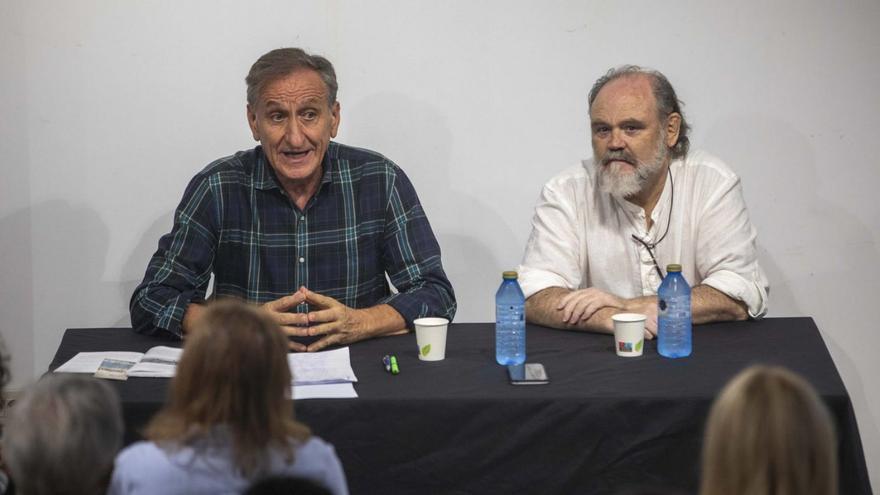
322,375
319,375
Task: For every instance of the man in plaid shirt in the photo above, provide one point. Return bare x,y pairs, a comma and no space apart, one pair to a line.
304,226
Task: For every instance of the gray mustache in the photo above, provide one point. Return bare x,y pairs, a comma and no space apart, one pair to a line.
618,156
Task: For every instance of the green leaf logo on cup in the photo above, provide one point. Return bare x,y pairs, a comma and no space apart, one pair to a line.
639,346
426,349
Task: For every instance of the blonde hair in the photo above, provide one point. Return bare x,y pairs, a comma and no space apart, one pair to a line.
768,433
233,374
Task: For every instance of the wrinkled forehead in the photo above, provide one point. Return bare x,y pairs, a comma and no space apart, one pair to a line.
299,85
629,96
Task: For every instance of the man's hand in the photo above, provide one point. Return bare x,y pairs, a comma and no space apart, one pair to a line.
646,305
338,323
293,324
587,309
580,305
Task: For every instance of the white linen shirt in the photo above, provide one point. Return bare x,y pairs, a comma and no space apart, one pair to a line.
582,237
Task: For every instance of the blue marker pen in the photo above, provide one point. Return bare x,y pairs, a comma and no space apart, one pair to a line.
390,363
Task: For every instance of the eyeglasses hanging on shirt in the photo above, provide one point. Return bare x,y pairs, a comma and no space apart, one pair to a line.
651,245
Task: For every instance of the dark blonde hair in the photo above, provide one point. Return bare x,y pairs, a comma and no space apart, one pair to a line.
769,433
233,374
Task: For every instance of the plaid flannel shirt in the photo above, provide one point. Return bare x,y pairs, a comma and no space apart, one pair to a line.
236,222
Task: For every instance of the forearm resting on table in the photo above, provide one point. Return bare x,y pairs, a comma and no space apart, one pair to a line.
381,320
709,304
542,309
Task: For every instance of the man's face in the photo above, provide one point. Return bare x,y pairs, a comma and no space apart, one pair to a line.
294,122
630,144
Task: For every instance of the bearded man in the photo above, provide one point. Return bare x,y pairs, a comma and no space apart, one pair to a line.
604,230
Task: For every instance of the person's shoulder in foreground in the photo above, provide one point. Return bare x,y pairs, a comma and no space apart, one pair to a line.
315,250
227,422
602,230
145,468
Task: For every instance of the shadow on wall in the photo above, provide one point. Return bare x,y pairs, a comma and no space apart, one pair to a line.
420,142
136,264
17,293
820,259
69,253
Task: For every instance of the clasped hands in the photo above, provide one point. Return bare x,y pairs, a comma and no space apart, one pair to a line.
580,305
338,323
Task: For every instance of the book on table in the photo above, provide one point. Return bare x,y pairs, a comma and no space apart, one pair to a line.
326,374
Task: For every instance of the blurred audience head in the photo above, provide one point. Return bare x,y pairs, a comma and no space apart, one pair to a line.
234,375
286,485
62,436
769,433
4,367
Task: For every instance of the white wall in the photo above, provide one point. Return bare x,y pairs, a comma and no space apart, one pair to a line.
108,108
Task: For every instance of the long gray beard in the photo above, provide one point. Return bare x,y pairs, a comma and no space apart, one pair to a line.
613,180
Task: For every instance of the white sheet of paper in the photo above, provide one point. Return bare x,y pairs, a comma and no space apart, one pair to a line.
163,354
325,391
158,362
153,370
321,367
89,362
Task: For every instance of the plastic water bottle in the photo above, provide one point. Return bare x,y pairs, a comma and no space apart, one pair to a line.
510,322
674,315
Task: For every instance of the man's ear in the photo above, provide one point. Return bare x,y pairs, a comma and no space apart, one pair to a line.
252,122
673,127
334,114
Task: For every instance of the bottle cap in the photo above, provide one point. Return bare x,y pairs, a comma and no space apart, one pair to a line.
674,267
511,275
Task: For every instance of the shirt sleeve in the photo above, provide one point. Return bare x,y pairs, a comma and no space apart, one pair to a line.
334,475
726,255
180,269
553,254
411,257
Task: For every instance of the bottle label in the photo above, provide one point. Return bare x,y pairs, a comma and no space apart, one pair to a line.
675,307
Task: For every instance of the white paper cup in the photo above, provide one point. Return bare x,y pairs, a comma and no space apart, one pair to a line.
431,338
629,334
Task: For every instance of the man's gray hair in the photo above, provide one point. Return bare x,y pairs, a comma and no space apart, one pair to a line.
280,63
664,94
62,436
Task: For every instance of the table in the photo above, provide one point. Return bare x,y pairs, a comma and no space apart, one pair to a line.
458,426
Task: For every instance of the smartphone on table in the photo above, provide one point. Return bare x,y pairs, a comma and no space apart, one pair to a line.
528,374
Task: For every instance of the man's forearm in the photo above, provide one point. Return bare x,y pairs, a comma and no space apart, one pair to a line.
709,305
381,320
542,308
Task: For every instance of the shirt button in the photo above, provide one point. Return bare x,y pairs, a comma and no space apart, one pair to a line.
302,260
302,218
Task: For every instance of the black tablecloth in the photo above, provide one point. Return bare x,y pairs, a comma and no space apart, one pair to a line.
604,423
